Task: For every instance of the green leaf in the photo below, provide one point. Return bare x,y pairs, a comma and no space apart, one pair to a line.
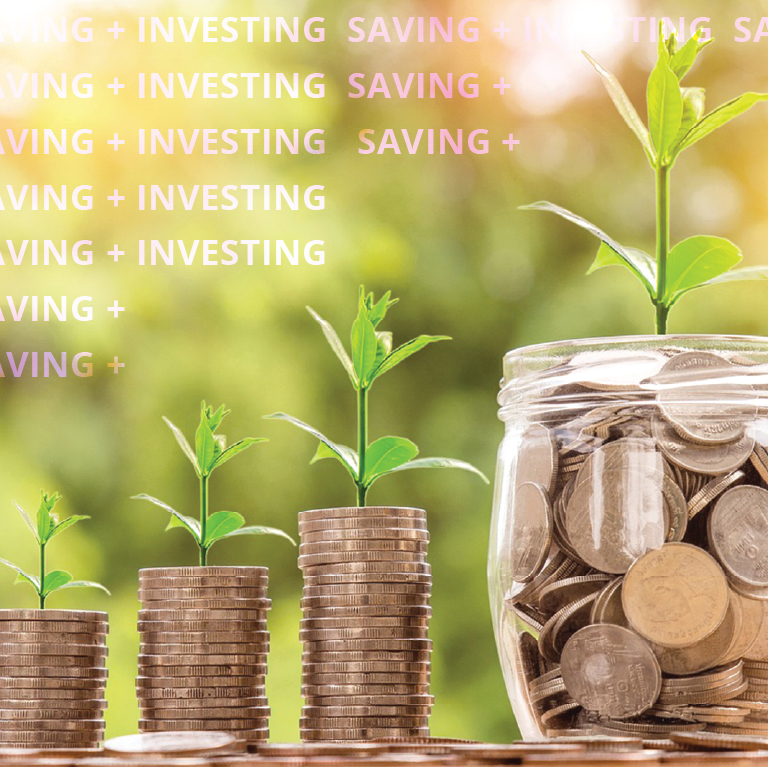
625,107
363,347
258,530
220,524
205,447
642,265
28,520
378,311
720,116
345,455
665,108
64,524
744,274
336,345
403,352
324,452
685,57
236,448
178,520
45,517
214,418
383,347
182,441
441,463
93,584
696,260
55,580
693,108
386,454
23,575
629,260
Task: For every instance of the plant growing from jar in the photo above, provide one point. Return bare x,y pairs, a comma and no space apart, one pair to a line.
676,122
45,527
210,453
372,355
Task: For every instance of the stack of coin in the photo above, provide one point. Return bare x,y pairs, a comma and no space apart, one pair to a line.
366,610
636,600
52,678
204,645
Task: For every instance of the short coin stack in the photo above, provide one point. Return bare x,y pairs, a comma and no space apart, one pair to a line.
204,645
367,588
52,678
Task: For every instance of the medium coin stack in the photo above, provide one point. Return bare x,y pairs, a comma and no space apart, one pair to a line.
204,645
638,547
366,610
52,678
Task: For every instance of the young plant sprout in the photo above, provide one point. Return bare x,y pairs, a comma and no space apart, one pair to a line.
209,454
676,121
44,528
372,356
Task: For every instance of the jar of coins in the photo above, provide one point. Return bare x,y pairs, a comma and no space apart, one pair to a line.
628,565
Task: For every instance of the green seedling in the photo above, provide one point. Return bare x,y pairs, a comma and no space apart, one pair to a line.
44,528
372,356
210,453
676,122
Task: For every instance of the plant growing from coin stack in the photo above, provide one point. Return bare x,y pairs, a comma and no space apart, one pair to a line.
45,527
211,451
372,356
676,122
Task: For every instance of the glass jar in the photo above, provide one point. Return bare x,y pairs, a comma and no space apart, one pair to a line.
628,566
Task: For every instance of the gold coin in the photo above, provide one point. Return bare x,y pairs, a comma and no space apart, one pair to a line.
537,459
54,673
95,631
381,644
369,667
233,712
202,593
675,596
372,567
363,633
370,622
396,721
372,599
372,700
393,557
78,707
48,714
367,578
51,739
611,671
371,588
207,694
199,724
321,657
187,582
403,710
48,614
714,488
555,596
367,678
203,627
51,692
363,545
52,649
64,639
607,608
32,659
364,734
172,659
52,725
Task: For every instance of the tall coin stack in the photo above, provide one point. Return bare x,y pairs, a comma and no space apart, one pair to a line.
52,678
204,645
367,587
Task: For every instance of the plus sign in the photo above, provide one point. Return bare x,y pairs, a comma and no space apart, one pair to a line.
511,141
116,86
116,366
116,309
115,198
114,252
116,142
502,86
115,30
502,29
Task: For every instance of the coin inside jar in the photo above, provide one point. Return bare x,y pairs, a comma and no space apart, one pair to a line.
532,534
675,596
611,671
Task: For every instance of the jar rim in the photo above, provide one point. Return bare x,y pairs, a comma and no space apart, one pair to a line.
516,359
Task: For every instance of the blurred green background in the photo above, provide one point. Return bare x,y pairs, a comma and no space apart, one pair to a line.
442,232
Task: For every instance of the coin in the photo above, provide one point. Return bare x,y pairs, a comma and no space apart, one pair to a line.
399,721
367,667
149,669
203,743
366,545
363,633
351,678
96,632
187,582
366,600
710,413
348,611
51,738
718,485
611,671
245,607
532,531
65,639
52,649
185,637
206,571
353,711
348,523
361,734
555,596
625,476
203,627
675,596
364,555
31,660
372,700
398,689
401,588
171,659
198,614
619,370
257,595
346,512
718,741
536,461
35,671
231,709
203,648
738,530
364,534
371,567
49,614
236,681
347,655
201,693
371,621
